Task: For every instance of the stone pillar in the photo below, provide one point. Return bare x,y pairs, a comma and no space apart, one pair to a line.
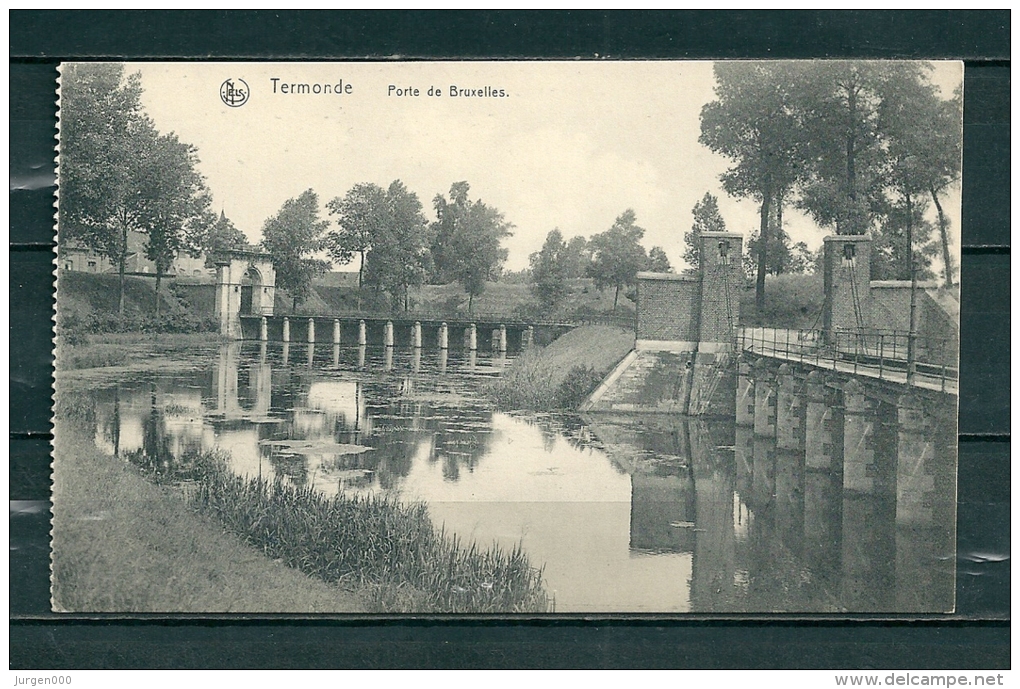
764,400
763,472
311,354
286,329
311,330
494,341
286,352
502,338
416,335
528,337
336,356
444,354
361,354
362,334
336,331
745,395
223,298
472,338
859,467
789,411
472,360
388,334
444,336
416,360
264,329
388,358
915,463
823,426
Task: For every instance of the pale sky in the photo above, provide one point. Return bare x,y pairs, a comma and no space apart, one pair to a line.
572,145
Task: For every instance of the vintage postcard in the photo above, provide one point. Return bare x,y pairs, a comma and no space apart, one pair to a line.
507,337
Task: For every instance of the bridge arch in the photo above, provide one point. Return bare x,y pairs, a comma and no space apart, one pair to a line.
245,285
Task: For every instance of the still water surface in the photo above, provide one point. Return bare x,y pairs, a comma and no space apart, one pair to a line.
626,514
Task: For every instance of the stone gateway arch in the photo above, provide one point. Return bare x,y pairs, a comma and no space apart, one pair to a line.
245,286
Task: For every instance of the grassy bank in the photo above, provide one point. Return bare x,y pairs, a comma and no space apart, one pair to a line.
562,374
123,544
104,350
387,549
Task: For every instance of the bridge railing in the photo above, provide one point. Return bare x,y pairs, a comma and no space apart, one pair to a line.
878,353
440,316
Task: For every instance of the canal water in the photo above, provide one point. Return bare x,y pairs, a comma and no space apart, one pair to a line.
639,513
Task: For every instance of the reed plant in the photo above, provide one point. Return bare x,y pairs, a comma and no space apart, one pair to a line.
387,548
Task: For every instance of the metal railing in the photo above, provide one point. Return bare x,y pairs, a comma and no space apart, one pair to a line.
882,354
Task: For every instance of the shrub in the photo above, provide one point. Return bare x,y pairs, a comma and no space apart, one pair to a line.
580,382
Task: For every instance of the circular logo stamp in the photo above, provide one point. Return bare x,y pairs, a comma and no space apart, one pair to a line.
234,92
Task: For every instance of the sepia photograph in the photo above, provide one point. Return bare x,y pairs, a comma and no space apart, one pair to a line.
507,337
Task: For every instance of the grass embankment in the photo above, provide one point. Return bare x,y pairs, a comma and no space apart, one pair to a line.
123,544
389,550
105,350
562,374
791,301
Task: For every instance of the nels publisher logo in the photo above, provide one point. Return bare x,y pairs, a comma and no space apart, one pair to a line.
234,92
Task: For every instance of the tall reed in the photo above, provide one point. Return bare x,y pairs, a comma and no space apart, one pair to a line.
388,548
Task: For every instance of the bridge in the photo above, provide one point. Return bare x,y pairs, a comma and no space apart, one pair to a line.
689,349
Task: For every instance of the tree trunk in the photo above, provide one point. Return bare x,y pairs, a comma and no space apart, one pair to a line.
912,333
851,170
293,305
361,273
159,277
123,261
908,263
471,303
780,268
763,240
947,260
616,298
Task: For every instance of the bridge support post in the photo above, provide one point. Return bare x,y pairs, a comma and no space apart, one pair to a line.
745,395
859,466
264,329
472,338
388,334
362,334
444,335
416,335
336,331
789,411
286,329
529,337
823,427
502,337
915,459
494,342
764,400
311,331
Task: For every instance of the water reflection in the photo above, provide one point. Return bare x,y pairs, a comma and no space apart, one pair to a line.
627,513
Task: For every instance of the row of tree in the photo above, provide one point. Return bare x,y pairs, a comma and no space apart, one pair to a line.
119,175
858,146
611,258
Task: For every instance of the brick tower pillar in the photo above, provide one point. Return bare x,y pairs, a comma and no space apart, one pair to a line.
847,279
721,280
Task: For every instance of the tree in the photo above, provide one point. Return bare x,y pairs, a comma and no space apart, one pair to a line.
290,237
549,270
466,241
398,258
755,122
706,219
617,255
922,141
658,261
213,235
118,174
176,202
576,257
361,214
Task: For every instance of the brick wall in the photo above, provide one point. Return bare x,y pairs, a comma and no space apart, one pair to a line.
667,307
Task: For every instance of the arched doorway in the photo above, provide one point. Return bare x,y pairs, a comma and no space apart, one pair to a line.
251,292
